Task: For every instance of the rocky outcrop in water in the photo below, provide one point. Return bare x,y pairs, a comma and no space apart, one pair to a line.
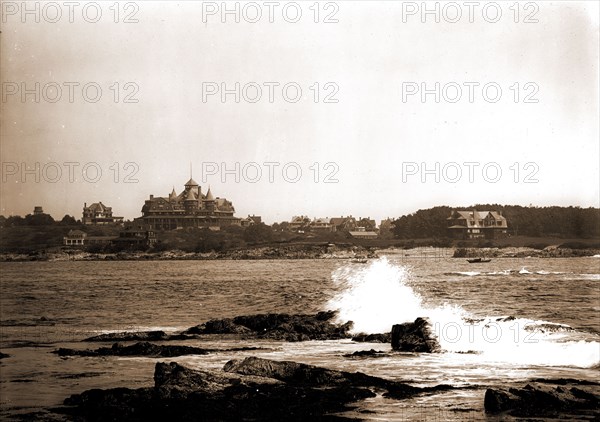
146,349
131,336
415,336
277,327
138,349
3,355
546,398
366,354
250,389
373,338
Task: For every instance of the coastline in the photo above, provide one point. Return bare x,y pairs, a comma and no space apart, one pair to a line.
301,252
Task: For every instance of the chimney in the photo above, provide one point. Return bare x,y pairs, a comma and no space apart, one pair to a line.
85,205
151,197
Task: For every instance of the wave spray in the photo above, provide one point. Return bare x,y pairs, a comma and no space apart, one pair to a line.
378,295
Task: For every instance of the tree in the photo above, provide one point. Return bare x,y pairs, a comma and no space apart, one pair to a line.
67,220
258,233
15,221
39,220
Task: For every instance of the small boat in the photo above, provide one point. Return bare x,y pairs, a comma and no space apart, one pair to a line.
359,260
478,260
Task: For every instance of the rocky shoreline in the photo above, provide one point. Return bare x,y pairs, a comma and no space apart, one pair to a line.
525,252
261,389
283,252
249,389
296,252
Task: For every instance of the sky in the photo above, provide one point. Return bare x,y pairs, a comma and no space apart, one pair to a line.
371,109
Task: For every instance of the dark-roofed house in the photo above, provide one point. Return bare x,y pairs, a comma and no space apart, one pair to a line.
98,213
299,223
346,224
135,237
477,225
251,220
367,223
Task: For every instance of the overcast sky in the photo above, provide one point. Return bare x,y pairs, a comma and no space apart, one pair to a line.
359,71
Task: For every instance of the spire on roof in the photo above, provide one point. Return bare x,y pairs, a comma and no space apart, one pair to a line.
191,182
209,196
190,196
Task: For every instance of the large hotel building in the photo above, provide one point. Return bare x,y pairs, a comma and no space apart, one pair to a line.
190,208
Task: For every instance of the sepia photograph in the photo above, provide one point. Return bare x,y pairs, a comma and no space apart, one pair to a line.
299,210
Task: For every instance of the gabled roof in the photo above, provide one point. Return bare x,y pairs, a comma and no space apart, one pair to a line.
300,219
98,206
336,221
497,215
76,233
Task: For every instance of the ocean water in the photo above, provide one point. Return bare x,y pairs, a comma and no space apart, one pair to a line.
554,331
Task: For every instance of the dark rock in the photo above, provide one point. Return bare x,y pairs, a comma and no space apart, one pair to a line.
3,355
278,327
190,395
373,338
219,326
148,350
543,399
366,354
252,389
506,319
415,337
402,391
131,336
137,349
303,374
115,404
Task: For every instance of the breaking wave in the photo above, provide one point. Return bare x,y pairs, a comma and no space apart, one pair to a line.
378,296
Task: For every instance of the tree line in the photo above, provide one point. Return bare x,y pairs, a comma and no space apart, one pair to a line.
563,222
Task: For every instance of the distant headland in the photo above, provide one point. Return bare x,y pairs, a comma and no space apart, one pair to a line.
508,231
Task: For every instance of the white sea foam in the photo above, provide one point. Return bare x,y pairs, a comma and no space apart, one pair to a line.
378,296
469,273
